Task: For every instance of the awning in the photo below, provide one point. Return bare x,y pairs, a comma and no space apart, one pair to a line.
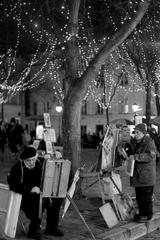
122,122
35,118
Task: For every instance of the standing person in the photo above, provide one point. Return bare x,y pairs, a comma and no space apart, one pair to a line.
25,178
32,137
3,138
144,175
16,138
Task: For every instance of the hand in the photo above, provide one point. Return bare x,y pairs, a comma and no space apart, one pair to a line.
35,190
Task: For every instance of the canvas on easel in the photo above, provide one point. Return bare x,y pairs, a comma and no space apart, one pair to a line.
39,132
36,144
49,147
47,120
108,148
49,135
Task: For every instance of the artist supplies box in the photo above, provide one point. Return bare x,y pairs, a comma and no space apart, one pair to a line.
55,178
9,210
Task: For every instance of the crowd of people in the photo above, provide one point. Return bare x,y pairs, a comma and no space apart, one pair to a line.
25,176
89,140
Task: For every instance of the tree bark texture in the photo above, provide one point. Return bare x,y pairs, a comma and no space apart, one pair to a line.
148,99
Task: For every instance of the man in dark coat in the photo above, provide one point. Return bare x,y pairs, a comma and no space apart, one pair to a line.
25,178
144,175
16,137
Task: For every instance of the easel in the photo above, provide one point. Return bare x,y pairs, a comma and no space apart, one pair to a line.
105,162
100,171
51,187
55,172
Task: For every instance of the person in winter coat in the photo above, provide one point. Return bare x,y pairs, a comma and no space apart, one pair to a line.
25,178
16,137
144,176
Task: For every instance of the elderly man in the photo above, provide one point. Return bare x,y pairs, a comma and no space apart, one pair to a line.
25,178
144,175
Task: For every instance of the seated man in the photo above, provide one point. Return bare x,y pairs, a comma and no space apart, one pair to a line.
25,178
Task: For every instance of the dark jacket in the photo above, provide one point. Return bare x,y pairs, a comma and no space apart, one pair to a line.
22,180
145,165
15,134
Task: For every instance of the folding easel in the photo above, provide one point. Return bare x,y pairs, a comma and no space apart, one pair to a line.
51,189
99,172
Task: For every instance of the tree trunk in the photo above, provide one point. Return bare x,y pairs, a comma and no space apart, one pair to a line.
71,132
156,86
148,101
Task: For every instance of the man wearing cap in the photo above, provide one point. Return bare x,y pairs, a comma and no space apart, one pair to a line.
25,178
144,175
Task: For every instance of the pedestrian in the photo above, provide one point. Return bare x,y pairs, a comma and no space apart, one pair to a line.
16,137
144,176
3,138
25,178
32,136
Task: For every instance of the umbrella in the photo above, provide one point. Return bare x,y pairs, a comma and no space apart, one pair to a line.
122,122
156,121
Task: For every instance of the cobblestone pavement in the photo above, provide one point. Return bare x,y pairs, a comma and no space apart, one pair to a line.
152,236
72,225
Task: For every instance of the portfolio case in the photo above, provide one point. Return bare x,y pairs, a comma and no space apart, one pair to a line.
55,178
9,210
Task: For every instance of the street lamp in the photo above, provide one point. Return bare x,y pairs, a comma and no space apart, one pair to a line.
59,110
135,107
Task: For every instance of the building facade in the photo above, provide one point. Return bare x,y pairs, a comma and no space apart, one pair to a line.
29,107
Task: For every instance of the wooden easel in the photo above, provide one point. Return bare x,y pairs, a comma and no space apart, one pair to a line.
55,172
98,173
56,178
